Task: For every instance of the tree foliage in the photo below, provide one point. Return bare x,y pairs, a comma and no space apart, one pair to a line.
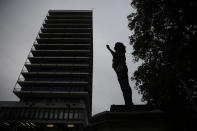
165,38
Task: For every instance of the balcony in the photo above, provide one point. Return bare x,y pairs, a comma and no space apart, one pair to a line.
68,21
61,53
62,46
69,17
57,67
55,76
59,60
67,25
28,94
63,40
49,84
66,30
65,35
70,12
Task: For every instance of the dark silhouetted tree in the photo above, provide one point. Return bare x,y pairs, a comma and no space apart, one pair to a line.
165,38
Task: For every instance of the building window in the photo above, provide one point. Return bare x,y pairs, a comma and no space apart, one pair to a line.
32,112
36,114
50,114
46,112
61,114
41,114
65,114
26,114
76,115
56,114
81,115
71,115
17,112
22,113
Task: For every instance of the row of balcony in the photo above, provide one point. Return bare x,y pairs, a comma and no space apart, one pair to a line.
81,17
77,26
64,35
62,46
54,76
68,21
81,13
60,53
52,88
63,40
64,89
83,68
59,62
66,30
52,83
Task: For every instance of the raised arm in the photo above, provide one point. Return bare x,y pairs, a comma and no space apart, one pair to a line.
111,51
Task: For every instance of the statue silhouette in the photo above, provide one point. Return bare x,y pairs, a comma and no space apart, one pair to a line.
120,67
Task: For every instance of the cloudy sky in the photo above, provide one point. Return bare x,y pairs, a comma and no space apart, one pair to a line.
20,21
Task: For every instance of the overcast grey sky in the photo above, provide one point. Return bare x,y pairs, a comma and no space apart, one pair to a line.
20,21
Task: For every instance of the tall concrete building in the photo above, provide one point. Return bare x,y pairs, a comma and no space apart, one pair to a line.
55,84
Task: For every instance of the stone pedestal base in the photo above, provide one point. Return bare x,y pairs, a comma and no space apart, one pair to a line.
142,118
130,108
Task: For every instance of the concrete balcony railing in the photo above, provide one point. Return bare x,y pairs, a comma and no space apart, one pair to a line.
56,76
69,17
59,60
62,46
67,25
57,67
39,92
60,53
63,40
52,83
70,12
35,89
65,35
66,30
68,21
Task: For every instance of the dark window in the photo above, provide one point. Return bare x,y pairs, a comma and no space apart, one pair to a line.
65,114
46,113
22,113
56,114
16,113
61,114
76,115
41,114
26,114
81,115
36,114
11,114
32,112
71,115
51,114
1,113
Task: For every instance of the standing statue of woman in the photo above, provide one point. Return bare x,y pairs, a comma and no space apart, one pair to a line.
120,67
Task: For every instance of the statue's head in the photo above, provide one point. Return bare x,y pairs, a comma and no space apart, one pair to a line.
119,47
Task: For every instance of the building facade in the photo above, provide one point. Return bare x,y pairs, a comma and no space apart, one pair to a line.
55,84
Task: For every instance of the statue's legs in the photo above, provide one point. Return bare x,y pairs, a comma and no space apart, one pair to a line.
122,74
126,90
